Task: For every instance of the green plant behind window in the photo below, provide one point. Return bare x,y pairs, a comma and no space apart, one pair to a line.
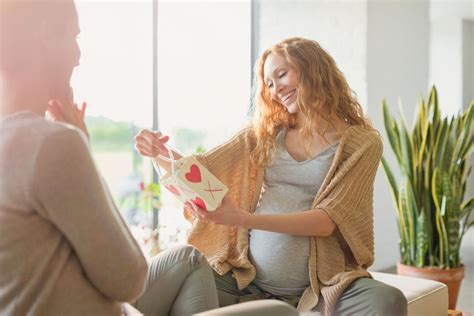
432,213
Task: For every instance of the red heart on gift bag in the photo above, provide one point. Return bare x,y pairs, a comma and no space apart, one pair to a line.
172,189
200,203
194,174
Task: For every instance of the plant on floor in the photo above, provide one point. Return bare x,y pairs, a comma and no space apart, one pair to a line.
432,213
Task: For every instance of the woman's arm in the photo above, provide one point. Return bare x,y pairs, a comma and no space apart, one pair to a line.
307,223
72,196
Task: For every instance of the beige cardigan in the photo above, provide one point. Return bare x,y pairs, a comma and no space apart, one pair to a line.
64,247
346,195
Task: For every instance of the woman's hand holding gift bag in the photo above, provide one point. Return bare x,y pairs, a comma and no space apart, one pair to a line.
226,214
185,177
152,144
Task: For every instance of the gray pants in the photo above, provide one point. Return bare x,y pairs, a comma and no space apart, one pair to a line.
365,297
371,297
180,282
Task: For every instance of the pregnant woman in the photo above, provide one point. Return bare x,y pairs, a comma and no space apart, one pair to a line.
297,223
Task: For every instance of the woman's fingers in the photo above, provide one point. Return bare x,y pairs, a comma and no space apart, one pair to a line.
68,113
82,109
202,212
157,140
152,142
163,140
146,137
66,110
196,210
54,112
191,209
144,151
143,141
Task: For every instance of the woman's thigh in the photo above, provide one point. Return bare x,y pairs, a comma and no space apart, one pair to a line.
367,296
180,281
227,289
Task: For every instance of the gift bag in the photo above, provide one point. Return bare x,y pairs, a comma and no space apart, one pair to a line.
190,180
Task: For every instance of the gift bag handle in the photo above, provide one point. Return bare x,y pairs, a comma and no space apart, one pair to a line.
171,160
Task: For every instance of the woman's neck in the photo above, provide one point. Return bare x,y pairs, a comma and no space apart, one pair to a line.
16,97
321,124
332,129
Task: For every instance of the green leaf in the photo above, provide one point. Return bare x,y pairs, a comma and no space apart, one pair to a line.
433,107
391,129
449,148
469,204
436,188
407,152
406,205
422,239
441,143
423,149
470,224
467,133
391,179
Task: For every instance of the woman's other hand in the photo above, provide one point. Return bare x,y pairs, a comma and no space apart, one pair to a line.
68,113
151,144
226,214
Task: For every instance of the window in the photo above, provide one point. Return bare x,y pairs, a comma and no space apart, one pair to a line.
203,88
115,79
204,82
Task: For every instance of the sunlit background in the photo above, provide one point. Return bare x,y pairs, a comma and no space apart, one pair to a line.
203,90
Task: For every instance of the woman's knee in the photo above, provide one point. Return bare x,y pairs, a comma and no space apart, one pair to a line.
182,255
185,252
389,301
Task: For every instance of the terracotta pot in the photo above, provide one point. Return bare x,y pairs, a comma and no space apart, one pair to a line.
451,277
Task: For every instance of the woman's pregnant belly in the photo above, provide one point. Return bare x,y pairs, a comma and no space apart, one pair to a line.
281,262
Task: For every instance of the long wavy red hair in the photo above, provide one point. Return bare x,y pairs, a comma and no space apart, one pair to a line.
323,94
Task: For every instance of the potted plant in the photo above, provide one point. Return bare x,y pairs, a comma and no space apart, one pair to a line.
432,212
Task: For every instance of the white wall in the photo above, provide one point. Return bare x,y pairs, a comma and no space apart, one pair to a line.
468,62
463,9
339,27
451,53
446,71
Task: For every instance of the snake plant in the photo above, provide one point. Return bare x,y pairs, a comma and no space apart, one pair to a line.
432,213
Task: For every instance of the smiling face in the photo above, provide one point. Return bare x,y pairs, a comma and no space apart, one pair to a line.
282,82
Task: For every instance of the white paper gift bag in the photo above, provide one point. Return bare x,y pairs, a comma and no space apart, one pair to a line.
190,180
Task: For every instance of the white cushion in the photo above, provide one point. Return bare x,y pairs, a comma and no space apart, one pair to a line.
425,297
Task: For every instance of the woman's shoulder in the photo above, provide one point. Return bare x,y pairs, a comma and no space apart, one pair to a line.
246,131
244,135
362,135
360,139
